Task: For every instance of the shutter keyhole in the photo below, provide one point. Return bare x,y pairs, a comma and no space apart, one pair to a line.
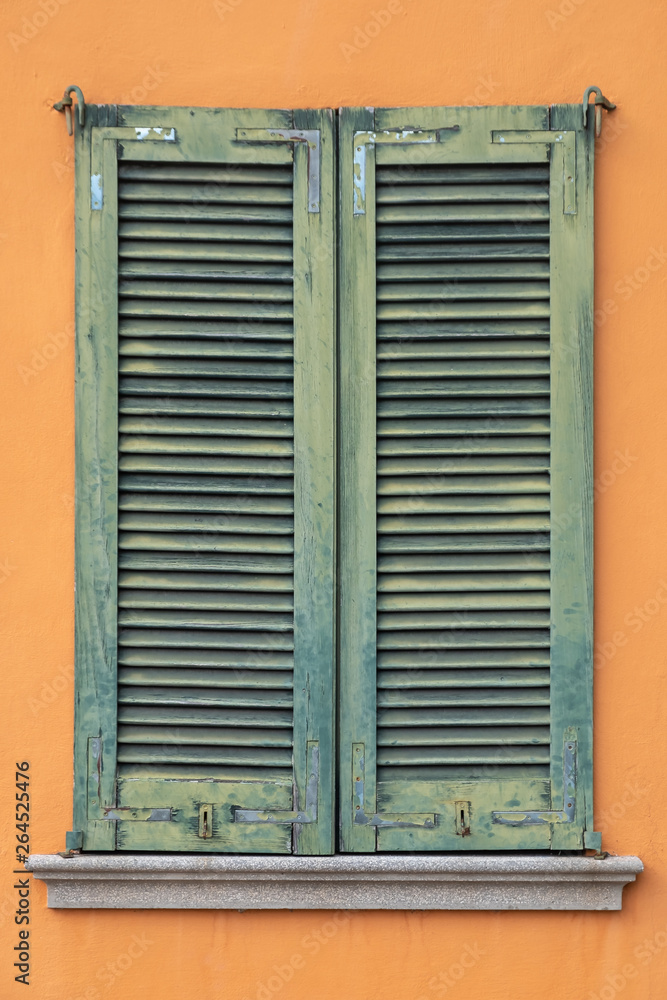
462,814
206,821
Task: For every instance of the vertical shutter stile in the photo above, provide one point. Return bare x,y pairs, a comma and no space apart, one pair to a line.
215,244
468,719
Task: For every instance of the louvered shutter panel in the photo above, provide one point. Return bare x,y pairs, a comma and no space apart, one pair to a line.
205,480
466,428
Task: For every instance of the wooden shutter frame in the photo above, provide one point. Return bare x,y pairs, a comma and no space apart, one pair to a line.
97,475
572,494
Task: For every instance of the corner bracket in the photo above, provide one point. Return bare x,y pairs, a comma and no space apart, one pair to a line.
312,139
379,820
564,815
280,816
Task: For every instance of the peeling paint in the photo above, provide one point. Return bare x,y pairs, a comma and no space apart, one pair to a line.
96,192
364,139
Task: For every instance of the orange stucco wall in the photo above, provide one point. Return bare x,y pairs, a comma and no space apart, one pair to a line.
297,53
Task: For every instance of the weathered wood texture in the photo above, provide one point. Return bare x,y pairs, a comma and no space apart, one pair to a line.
466,299
205,436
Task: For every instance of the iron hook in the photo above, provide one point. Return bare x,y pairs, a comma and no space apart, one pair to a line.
66,106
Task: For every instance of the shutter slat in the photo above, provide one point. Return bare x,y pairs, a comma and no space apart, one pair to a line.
458,210
430,194
488,726
228,348
457,561
436,367
240,465
255,757
229,666
223,445
433,704
248,701
419,444
402,622
470,427
205,425
156,406
255,310
433,583
178,618
534,537
170,210
164,638
488,406
264,389
528,653
256,272
458,677
202,581
465,755
463,386
207,194
227,291
509,229
207,503
414,486
197,676
212,485
258,369
409,643
480,348
239,524
239,332
204,561
477,174
486,328
170,247
478,500
496,600
473,270
205,600
436,309
210,718
216,177
146,230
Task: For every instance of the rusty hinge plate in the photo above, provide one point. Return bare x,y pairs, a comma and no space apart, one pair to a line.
566,139
381,820
281,816
111,813
538,817
309,136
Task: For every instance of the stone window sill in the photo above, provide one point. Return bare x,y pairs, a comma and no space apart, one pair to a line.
354,882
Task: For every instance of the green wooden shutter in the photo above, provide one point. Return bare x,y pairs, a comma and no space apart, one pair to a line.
205,483
466,499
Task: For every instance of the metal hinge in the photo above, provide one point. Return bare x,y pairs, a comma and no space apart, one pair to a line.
280,816
310,136
563,138
397,137
97,811
424,820
564,815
